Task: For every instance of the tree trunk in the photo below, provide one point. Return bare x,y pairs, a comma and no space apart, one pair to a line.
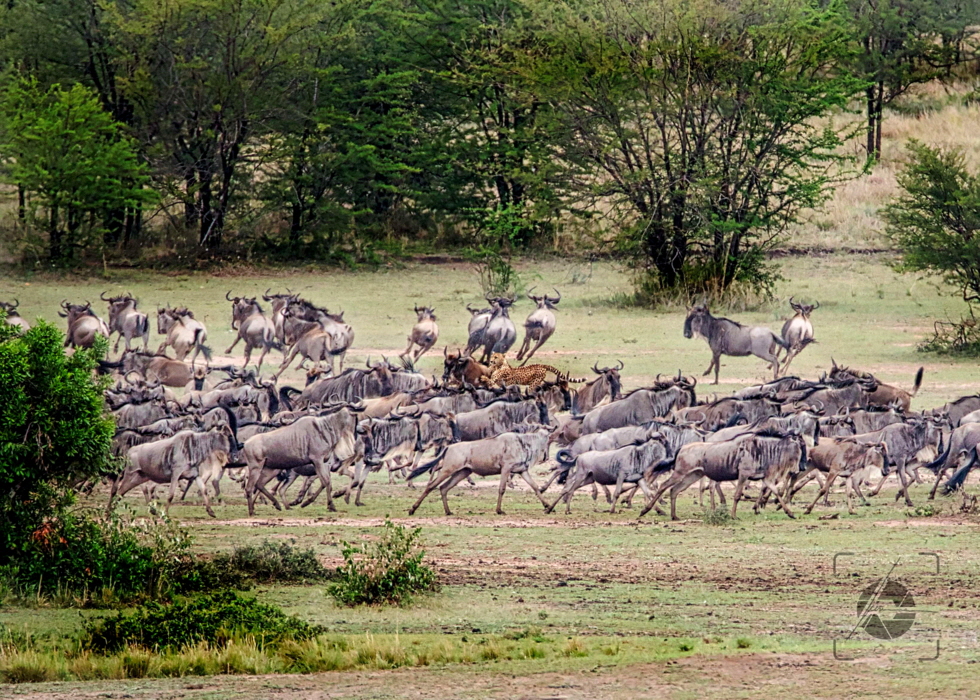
54,235
204,206
115,224
21,203
191,212
296,225
871,130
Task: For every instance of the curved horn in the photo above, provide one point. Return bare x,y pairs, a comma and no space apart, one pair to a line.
15,304
621,365
228,295
790,299
816,305
102,297
65,304
595,368
531,290
558,298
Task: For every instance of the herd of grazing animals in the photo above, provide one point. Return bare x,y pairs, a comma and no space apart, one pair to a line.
485,417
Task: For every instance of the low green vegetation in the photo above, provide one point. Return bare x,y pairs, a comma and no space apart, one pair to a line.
388,571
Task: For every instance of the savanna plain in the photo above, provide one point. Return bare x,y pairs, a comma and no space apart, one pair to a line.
592,604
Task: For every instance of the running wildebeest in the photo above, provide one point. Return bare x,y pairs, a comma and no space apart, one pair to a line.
183,333
727,337
253,327
797,332
496,333
505,454
83,325
125,320
540,324
14,318
425,333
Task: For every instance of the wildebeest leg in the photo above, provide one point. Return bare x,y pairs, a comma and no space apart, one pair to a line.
237,338
554,475
263,477
808,476
286,362
526,475
940,473
524,346
856,485
739,487
409,348
303,490
823,491
576,480
716,363
187,487
620,479
629,493
903,477
505,475
434,481
682,485
323,471
121,486
455,479
265,351
778,493
651,502
877,488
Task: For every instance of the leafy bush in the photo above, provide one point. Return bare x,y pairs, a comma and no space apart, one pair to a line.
103,560
389,571
718,517
267,563
215,619
54,432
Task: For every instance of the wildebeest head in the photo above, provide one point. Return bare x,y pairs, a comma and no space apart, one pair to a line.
425,313
695,323
611,375
802,309
544,301
10,308
73,312
241,309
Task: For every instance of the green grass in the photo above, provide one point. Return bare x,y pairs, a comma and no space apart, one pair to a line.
618,603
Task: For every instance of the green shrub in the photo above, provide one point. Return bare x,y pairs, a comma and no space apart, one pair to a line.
389,571
718,517
96,560
215,619
268,562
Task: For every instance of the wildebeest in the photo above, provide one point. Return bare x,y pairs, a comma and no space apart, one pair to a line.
13,318
385,440
134,415
306,338
339,333
614,467
540,324
279,303
327,442
186,454
904,441
125,320
878,394
802,423
353,385
462,368
505,454
253,327
638,407
727,411
607,387
797,332
497,333
727,337
498,417
83,325
159,368
772,459
955,410
183,333
424,334
962,443
848,458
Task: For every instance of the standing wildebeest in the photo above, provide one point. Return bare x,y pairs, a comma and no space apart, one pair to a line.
14,318
612,467
353,385
954,411
878,394
904,441
727,337
186,454
425,333
83,325
848,458
772,459
540,324
797,331
506,454
253,327
183,332
125,320
494,332
326,442
606,387
639,407
498,417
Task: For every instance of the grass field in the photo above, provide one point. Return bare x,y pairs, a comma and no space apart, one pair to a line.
594,605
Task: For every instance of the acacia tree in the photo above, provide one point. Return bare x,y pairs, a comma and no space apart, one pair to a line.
704,128
935,220
71,159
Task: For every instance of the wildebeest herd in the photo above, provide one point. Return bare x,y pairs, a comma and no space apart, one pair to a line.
485,417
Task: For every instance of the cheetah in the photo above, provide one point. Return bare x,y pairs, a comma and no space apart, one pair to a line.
531,376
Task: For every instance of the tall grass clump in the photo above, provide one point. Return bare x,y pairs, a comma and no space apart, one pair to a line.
389,571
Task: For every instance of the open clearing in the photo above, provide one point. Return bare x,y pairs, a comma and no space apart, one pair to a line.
661,609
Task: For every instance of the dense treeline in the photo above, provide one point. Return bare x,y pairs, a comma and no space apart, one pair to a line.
683,135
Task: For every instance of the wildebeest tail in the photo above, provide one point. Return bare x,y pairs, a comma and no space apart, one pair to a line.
662,466
423,468
780,342
270,342
939,461
918,381
565,458
201,347
956,481
273,400
142,325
